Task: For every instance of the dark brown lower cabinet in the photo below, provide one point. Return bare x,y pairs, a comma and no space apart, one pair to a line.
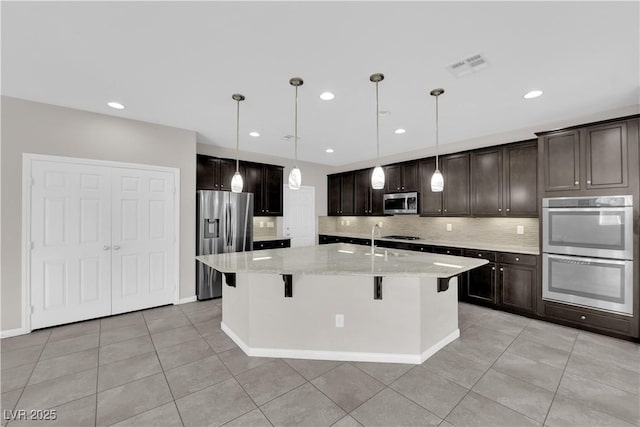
481,284
271,244
518,287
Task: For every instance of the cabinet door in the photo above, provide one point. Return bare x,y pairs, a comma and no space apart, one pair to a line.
334,188
430,202
486,182
393,178
517,287
481,284
377,201
362,193
410,176
272,199
253,184
520,179
561,160
227,169
606,156
346,196
455,197
206,173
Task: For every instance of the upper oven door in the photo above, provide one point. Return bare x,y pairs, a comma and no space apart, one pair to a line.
598,232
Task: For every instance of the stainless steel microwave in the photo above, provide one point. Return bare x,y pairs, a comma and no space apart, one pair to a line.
401,203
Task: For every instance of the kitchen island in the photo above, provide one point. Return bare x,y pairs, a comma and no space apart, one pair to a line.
338,302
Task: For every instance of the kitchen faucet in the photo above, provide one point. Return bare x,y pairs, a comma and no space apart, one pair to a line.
373,232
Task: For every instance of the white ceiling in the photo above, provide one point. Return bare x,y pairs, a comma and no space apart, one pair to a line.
178,64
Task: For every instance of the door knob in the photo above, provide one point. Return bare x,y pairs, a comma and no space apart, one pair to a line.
116,247
106,248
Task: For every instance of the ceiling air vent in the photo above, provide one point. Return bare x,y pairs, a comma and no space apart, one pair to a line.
468,65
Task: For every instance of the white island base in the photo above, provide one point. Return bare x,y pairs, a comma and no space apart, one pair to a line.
410,323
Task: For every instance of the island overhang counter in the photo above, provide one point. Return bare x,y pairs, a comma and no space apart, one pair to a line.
338,302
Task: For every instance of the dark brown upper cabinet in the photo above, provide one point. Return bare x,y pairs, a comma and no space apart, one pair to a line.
486,182
504,180
340,193
401,177
561,160
366,200
454,200
213,173
265,182
455,197
587,160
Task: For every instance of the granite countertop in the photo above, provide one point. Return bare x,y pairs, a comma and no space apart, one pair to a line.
528,250
342,259
270,238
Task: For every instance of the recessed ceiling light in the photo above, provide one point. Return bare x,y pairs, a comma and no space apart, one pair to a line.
532,94
400,131
329,150
115,105
254,134
327,96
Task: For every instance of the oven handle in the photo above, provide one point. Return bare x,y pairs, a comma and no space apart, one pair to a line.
602,209
585,261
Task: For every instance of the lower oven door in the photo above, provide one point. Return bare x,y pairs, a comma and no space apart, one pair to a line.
598,283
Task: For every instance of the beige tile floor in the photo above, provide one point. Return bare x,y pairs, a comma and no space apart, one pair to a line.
173,366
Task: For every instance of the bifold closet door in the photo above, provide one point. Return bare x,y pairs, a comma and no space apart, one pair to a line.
143,239
70,233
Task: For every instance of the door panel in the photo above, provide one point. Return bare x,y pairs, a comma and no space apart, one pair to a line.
70,270
299,216
455,197
143,239
606,156
430,202
486,183
521,180
562,161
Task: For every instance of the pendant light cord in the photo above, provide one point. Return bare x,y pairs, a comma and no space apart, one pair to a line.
437,131
295,133
377,125
237,136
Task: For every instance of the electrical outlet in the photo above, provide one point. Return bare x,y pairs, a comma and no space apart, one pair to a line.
261,224
520,229
449,227
347,222
270,224
339,320
380,224
341,222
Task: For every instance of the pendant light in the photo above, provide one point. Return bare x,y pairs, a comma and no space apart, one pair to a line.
295,176
236,181
437,180
377,177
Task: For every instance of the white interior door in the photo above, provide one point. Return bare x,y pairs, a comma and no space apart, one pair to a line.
299,215
143,239
70,233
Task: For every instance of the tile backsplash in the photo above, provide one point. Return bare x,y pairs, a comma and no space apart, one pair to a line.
265,226
494,231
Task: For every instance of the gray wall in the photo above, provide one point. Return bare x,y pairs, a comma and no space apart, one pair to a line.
30,127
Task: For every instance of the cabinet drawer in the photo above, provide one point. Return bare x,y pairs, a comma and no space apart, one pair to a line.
521,259
284,243
586,317
267,244
448,251
326,239
488,255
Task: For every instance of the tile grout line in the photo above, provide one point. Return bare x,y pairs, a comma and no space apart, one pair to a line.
228,370
485,373
564,369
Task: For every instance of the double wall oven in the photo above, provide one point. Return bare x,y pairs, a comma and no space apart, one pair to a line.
587,245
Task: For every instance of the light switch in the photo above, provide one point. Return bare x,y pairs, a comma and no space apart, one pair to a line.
270,224
339,320
449,227
520,229
341,222
261,224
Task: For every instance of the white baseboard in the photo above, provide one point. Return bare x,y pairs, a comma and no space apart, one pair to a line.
439,345
13,332
351,356
187,299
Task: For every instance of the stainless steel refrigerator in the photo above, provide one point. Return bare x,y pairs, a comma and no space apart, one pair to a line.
224,224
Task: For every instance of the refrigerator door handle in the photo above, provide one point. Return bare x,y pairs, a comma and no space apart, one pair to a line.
228,223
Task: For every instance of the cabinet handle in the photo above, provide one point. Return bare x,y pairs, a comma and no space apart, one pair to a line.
445,210
508,209
501,269
517,259
438,210
499,209
221,185
576,183
116,247
403,188
493,268
588,181
583,317
479,254
106,248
